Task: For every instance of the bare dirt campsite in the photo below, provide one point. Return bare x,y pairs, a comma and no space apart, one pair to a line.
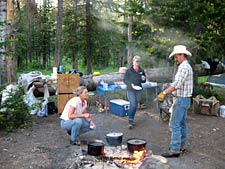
46,145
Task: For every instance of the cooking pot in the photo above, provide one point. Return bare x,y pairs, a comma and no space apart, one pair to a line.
96,147
136,144
114,139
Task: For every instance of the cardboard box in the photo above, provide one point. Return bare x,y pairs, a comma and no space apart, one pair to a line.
62,100
119,107
68,82
209,106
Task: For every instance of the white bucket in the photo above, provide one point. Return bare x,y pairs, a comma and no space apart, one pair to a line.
54,74
222,111
54,70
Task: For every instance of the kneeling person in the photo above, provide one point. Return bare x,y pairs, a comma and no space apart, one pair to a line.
75,118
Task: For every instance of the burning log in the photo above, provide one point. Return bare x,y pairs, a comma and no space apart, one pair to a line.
138,156
124,157
112,158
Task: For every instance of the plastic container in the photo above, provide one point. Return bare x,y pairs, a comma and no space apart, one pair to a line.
119,107
60,69
105,86
222,111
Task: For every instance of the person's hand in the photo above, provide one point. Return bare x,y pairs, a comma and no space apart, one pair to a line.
92,125
87,116
161,96
132,85
143,77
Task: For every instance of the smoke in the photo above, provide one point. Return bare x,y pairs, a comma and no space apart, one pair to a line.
110,26
173,37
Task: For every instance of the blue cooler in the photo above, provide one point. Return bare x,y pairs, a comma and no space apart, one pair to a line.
119,107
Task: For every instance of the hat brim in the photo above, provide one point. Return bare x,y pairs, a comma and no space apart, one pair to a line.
184,52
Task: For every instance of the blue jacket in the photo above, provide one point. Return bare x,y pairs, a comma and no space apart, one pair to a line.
131,76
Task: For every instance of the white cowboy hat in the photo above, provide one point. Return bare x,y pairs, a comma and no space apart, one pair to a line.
180,49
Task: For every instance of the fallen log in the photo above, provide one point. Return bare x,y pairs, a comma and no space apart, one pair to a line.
165,74
40,88
91,82
110,78
160,75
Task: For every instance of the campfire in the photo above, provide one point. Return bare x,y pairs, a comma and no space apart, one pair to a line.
123,158
138,156
133,155
115,157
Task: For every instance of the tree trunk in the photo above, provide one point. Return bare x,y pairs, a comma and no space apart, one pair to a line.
3,77
11,61
129,51
7,62
29,12
10,11
58,49
88,37
75,50
123,57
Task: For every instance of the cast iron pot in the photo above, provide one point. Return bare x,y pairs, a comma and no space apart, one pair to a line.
96,147
114,139
136,144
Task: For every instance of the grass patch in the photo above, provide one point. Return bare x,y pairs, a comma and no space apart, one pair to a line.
106,70
103,70
202,79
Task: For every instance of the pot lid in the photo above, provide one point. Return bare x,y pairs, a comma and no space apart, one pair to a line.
114,134
136,141
96,142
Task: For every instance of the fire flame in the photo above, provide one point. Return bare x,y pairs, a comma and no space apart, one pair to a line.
137,157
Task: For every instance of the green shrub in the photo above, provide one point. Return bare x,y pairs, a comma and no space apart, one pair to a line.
14,113
208,90
205,90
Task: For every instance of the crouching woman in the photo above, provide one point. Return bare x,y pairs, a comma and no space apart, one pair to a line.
75,119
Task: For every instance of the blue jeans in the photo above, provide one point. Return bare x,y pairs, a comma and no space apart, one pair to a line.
77,127
178,123
133,97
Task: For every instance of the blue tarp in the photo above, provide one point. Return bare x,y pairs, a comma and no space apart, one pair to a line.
217,80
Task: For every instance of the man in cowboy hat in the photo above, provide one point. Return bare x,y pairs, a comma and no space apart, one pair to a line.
181,88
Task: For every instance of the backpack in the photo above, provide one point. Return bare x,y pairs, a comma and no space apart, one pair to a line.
52,108
47,108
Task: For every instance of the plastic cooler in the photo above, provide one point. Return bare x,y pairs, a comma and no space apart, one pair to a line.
119,107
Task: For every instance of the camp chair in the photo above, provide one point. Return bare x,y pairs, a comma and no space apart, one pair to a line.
164,108
165,105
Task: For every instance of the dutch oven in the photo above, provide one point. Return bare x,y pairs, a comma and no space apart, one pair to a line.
114,139
136,144
96,147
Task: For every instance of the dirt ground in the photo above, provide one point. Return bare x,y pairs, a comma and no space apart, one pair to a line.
46,145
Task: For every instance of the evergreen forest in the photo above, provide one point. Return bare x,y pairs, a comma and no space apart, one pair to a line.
92,34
